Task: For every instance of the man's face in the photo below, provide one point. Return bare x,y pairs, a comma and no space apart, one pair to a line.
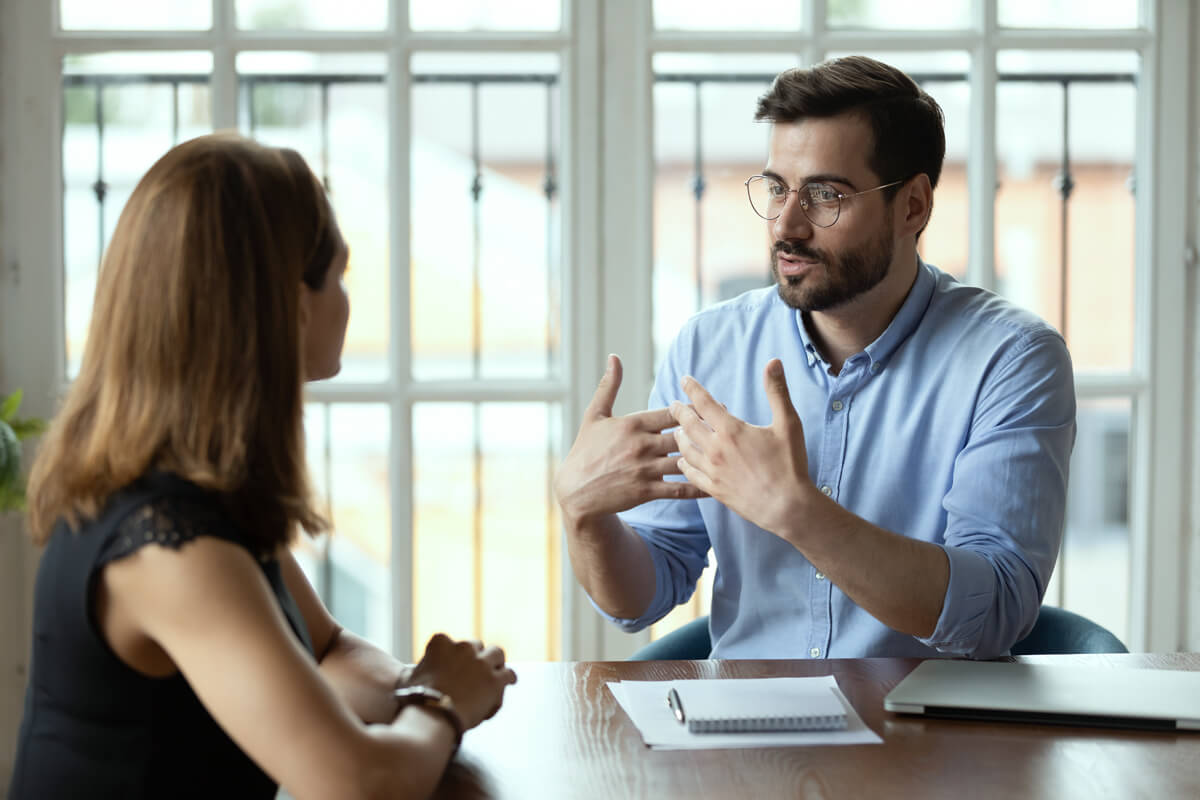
819,269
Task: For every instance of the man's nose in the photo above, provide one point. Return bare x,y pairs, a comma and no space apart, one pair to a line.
792,222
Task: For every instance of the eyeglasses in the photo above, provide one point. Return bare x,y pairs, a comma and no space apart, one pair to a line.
821,203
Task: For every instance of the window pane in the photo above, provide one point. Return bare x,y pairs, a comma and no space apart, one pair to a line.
486,550
485,15
712,247
136,16
348,463
321,15
890,15
1093,573
1098,212
486,263
332,109
748,15
121,112
945,242
1068,14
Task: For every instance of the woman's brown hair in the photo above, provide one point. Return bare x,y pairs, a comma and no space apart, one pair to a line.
194,358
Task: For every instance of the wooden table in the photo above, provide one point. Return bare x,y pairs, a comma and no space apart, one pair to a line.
561,734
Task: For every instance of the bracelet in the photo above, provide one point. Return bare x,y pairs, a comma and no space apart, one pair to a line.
428,697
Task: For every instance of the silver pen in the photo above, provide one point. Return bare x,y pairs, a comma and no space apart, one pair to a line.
676,706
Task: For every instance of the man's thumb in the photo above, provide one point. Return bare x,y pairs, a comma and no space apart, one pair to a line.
606,392
777,392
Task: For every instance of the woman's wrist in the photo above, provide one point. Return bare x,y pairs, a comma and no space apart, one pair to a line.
435,701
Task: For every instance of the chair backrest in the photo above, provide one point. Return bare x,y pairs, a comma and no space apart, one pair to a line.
1056,631
691,642
1060,631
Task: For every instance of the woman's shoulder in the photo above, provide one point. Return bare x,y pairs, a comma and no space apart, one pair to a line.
165,510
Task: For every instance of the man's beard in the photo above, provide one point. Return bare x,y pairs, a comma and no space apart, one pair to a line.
846,277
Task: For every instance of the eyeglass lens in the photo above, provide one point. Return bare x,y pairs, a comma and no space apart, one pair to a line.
820,202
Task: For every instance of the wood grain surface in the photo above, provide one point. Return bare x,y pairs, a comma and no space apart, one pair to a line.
561,734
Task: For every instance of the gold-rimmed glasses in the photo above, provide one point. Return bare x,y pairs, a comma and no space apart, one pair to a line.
820,202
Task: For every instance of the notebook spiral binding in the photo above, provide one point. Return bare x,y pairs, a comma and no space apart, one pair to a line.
830,722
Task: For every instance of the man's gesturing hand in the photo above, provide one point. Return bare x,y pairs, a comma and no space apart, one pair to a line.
617,463
759,472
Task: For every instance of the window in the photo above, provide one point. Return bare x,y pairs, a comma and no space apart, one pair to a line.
433,449
524,195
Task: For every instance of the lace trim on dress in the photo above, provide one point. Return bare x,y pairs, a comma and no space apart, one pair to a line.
170,522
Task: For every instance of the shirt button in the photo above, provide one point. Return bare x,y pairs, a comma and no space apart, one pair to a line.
836,405
820,576
876,367
815,652
825,490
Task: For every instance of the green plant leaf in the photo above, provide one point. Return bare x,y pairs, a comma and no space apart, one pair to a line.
24,428
9,406
10,456
11,499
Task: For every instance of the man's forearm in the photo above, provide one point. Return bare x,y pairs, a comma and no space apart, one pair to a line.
364,676
902,582
612,563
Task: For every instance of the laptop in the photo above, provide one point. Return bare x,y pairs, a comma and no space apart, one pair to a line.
1064,694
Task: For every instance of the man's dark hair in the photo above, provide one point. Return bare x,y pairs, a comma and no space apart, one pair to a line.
906,123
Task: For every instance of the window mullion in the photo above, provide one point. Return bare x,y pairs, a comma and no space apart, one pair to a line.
981,153
399,86
224,77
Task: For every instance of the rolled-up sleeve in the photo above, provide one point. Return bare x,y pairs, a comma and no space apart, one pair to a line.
1006,506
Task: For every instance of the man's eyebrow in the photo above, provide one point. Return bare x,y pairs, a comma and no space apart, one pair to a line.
820,177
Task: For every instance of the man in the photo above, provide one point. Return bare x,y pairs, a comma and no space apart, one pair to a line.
897,485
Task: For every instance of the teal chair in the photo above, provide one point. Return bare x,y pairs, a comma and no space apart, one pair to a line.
1056,631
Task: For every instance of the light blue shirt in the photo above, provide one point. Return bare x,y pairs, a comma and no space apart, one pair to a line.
954,427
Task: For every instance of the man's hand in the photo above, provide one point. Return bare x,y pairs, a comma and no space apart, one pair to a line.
761,473
617,463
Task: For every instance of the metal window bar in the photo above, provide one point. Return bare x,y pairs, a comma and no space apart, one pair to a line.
1063,182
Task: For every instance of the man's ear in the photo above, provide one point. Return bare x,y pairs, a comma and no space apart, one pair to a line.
914,206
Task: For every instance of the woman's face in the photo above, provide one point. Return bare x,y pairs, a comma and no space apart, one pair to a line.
325,312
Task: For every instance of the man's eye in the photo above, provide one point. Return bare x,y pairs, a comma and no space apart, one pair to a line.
775,190
822,194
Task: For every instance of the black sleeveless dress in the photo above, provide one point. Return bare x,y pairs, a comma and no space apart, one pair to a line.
92,726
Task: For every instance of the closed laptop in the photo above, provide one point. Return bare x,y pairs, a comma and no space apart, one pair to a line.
1051,693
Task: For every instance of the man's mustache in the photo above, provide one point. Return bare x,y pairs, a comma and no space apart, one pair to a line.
798,249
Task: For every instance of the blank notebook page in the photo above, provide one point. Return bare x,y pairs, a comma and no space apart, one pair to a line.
760,704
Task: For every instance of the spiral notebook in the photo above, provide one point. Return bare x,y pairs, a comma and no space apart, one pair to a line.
749,700
759,706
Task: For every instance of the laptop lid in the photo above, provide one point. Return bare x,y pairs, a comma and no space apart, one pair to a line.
1051,693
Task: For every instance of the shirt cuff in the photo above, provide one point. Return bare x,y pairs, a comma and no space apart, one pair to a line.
660,604
969,598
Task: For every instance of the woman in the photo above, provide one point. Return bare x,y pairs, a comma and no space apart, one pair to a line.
178,650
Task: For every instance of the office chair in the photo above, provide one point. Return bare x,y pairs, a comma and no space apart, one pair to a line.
1060,631
1056,631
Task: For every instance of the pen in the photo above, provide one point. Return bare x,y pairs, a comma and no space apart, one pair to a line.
676,706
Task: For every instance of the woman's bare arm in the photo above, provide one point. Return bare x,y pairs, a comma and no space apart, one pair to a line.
208,606
362,674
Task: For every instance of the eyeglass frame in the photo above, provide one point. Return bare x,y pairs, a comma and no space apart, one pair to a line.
803,205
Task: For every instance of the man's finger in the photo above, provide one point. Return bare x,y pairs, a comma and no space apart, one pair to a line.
667,465
708,408
778,396
675,490
697,430
694,476
606,392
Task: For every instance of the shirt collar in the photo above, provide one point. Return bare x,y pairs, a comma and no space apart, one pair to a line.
900,328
